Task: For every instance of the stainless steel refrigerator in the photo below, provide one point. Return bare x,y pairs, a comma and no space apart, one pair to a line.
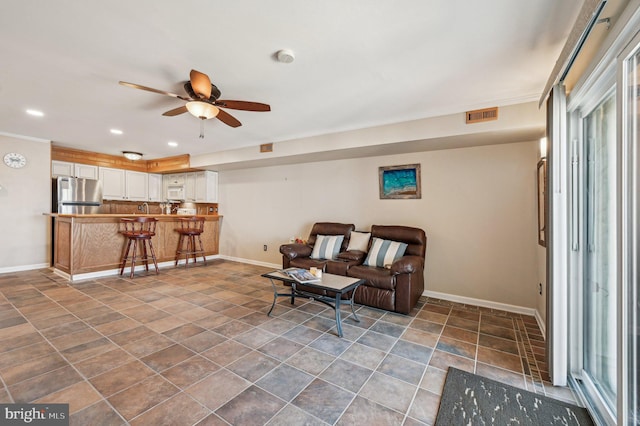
76,195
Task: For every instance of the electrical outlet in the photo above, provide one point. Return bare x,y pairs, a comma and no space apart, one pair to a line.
540,288
140,208
264,247
210,209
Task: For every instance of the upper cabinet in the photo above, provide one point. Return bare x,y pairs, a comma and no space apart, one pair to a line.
155,187
64,168
85,171
61,168
113,184
174,179
190,187
118,184
206,187
137,186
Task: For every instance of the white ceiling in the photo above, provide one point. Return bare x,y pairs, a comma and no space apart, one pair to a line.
359,63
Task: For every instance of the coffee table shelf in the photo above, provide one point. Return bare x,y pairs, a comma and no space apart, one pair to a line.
334,283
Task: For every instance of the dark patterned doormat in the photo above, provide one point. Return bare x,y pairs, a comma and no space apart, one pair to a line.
469,399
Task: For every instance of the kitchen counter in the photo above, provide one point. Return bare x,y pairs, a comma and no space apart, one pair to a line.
101,215
89,245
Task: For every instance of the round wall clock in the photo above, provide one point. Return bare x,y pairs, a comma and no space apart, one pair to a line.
15,160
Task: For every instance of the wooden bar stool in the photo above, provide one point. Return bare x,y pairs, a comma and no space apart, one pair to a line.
190,228
139,229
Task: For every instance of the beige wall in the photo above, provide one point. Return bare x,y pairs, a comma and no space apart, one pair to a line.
478,209
25,195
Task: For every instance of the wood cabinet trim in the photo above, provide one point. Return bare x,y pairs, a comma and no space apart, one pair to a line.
178,163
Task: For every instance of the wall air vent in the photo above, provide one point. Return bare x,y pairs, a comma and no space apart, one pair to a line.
266,147
481,115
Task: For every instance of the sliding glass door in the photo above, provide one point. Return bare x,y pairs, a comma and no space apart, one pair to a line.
631,222
605,232
600,163
599,284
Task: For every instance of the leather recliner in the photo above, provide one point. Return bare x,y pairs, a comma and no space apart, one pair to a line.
399,287
298,255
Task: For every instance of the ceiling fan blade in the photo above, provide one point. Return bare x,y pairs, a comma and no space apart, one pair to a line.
201,84
228,119
243,105
149,89
176,111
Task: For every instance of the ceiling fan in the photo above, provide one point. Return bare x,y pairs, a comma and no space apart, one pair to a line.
203,100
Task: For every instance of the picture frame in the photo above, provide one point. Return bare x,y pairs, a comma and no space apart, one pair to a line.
400,182
542,202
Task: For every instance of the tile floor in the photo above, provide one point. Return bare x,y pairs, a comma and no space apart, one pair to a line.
195,346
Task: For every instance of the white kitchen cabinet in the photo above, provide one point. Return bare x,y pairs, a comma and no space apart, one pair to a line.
86,171
190,187
174,178
156,192
65,168
113,183
61,168
137,186
206,187
119,184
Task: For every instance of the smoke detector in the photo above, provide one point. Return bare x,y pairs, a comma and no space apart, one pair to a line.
286,56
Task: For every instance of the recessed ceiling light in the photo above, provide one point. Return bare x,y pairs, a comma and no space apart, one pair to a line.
172,143
116,131
35,113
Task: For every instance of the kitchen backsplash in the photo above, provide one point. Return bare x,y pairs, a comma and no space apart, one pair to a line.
132,207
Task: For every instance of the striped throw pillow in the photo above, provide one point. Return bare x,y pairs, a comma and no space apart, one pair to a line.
327,246
384,252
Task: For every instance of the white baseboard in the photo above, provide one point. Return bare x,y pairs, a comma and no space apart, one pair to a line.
252,262
480,302
21,268
111,272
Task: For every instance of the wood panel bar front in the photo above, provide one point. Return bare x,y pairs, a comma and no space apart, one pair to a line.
85,244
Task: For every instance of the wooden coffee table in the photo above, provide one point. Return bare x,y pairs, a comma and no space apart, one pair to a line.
334,283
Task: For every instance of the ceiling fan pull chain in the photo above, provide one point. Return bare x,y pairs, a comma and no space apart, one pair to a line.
201,129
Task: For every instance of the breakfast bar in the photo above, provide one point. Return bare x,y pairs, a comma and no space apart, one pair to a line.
90,245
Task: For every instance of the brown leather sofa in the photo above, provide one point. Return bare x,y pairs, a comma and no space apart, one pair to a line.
395,288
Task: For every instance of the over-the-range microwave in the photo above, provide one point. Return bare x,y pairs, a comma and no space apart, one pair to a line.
175,192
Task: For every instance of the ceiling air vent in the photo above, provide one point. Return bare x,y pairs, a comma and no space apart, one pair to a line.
480,115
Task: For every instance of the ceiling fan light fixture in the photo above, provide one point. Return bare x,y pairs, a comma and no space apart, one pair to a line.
133,156
202,110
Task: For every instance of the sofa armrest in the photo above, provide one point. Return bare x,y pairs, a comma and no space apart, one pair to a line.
292,251
352,255
407,265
